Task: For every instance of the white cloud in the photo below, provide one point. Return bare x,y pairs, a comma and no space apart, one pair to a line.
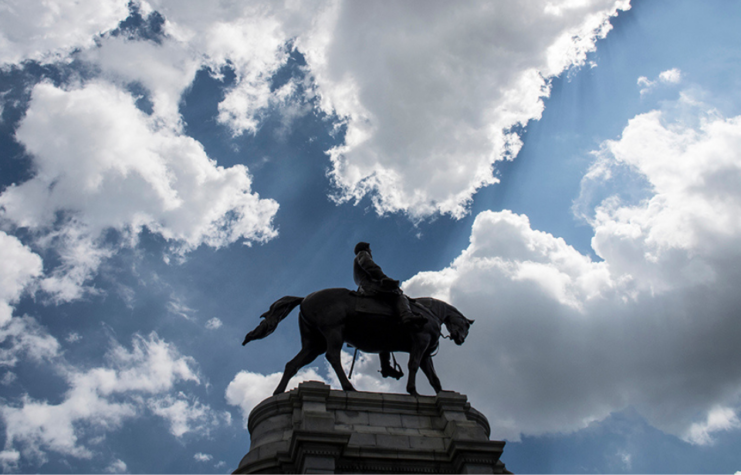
201,457
654,326
24,336
184,415
129,174
718,419
48,31
117,466
20,268
427,112
9,460
248,37
73,337
214,323
165,70
100,399
248,389
19,271
670,76
429,93
179,308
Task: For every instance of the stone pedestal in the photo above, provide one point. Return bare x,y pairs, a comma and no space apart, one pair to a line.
314,429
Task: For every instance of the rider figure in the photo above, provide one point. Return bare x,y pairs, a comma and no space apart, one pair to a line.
373,282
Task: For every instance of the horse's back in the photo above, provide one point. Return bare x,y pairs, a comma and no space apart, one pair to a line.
327,307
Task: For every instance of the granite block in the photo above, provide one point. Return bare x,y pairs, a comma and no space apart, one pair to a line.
415,422
402,431
387,441
427,443
384,419
360,439
351,417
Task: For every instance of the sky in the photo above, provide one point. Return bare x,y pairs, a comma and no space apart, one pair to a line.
567,173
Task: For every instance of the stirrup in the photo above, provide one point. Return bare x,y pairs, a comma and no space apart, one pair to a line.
394,372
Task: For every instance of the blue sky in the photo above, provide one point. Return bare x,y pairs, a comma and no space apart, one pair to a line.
565,173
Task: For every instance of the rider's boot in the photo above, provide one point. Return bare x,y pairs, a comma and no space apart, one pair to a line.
387,371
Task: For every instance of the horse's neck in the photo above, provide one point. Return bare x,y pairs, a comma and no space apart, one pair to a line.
436,308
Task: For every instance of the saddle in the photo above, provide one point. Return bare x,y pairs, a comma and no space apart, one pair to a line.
375,306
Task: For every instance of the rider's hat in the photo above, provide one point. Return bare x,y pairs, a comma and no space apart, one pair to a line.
361,246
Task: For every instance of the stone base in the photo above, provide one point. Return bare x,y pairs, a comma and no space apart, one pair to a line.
314,429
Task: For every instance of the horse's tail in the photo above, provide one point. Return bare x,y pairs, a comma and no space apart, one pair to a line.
278,311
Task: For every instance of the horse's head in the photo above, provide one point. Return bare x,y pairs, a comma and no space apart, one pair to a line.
457,325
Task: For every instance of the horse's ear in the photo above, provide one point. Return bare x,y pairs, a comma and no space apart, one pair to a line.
470,322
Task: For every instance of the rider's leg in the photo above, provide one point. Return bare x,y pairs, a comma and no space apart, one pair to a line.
401,303
386,369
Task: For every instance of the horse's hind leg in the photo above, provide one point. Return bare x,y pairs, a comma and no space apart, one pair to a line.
304,357
334,348
313,345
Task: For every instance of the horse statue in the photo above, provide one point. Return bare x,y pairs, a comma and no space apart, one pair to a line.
331,317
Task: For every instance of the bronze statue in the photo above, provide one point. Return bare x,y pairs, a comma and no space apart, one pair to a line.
373,282
329,318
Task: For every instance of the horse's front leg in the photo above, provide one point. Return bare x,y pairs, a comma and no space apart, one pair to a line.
334,349
415,358
429,370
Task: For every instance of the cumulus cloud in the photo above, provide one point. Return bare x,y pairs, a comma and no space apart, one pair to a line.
214,324
117,466
247,389
20,336
20,268
670,76
431,102
24,337
129,174
100,399
427,113
49,31
653,326
184,415
429,106
201,457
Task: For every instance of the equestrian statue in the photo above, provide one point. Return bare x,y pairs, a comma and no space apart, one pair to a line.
377,318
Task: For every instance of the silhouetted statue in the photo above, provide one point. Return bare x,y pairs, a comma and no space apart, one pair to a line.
331,317
374,283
